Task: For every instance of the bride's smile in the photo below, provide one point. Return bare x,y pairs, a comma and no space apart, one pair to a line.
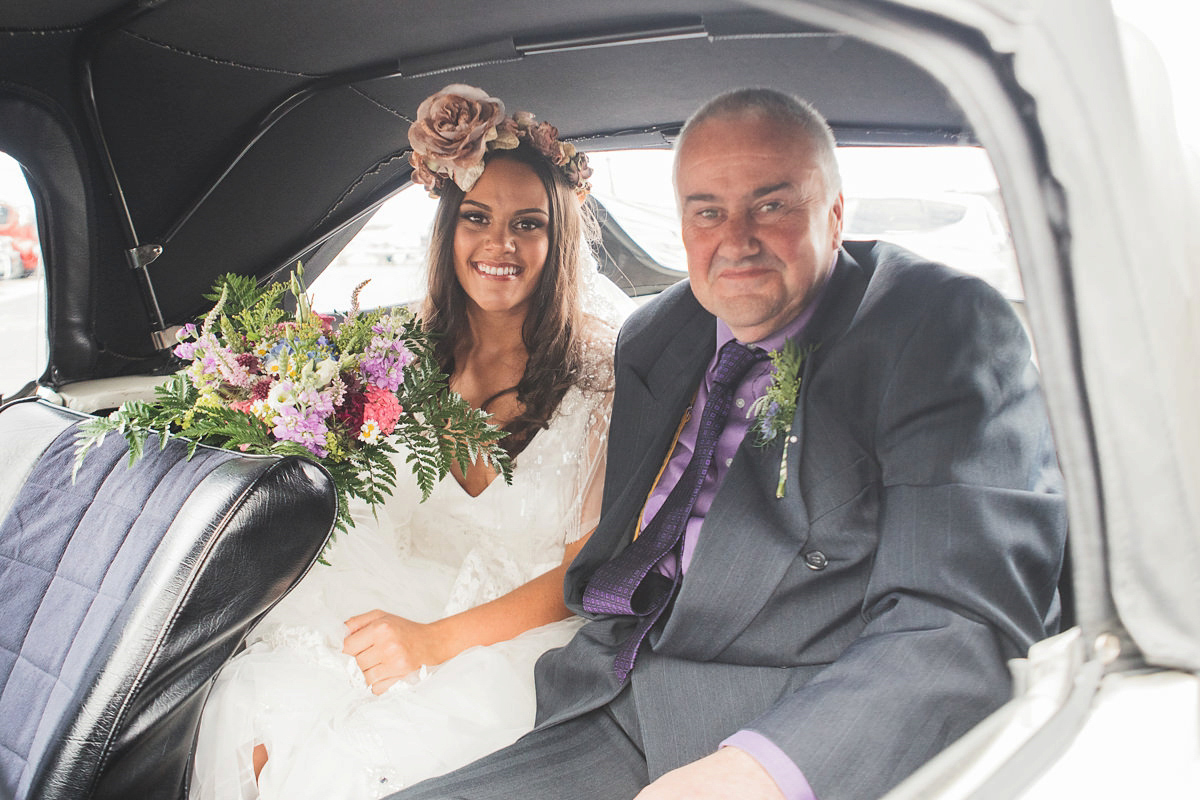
500,271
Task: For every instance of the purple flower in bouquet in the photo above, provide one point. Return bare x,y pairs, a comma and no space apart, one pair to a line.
385,358
301,416
186,349
209,359
304,427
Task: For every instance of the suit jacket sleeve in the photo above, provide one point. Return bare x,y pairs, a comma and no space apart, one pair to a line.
971,527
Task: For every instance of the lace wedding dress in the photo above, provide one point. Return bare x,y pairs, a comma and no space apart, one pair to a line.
293,691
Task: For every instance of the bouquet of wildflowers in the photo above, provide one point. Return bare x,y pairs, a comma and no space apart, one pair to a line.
262,380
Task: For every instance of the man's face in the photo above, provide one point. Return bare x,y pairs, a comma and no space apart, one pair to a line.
759,227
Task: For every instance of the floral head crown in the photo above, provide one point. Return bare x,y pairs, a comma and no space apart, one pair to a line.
456,127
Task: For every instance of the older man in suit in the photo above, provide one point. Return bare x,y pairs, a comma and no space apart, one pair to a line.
808,596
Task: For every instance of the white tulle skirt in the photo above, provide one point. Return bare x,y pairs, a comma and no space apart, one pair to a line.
326,734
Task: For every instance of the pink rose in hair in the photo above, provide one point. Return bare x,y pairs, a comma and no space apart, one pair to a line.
577,170
456,127
544,137
507,136
423,175
452,130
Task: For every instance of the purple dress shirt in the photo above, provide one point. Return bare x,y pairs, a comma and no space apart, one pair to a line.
779,766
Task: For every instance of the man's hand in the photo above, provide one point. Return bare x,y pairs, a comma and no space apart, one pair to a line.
388,647
728,774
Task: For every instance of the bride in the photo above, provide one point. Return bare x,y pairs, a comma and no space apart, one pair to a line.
412,652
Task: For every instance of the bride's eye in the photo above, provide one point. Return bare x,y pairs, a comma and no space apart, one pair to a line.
526,224
474,217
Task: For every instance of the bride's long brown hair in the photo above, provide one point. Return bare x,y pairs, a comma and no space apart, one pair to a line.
553,327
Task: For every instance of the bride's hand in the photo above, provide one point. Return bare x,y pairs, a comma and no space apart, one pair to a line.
388,647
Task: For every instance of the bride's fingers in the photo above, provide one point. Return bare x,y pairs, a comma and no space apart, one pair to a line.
381,686
368,659
381,662
357,643
364,634
381,676
357,622
383,642
372,676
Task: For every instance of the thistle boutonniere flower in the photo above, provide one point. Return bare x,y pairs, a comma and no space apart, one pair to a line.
774,411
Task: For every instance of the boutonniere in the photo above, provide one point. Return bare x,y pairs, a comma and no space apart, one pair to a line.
775,410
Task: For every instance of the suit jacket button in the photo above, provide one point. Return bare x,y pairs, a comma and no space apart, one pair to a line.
816,560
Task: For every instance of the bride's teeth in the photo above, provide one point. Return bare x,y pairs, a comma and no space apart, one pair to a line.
488,269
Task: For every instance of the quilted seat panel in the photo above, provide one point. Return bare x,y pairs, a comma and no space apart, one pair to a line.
123,592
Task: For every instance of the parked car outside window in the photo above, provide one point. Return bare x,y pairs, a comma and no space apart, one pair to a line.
22,302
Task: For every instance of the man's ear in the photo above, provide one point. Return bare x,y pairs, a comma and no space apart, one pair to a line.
837,218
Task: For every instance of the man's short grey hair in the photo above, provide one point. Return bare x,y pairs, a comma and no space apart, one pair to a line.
778,107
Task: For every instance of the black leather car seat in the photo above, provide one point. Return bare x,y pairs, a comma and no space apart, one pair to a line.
123,592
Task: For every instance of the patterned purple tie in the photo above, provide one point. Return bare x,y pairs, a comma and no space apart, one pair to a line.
626,584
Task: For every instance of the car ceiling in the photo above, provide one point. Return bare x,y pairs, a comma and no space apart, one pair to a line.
184,90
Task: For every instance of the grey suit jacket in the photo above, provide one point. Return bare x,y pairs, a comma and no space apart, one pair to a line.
863,621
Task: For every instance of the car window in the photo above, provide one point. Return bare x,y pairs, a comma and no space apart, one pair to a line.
635,188
389,251
23,345
941,202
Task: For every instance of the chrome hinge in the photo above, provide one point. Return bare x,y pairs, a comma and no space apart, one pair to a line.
166,339
142,255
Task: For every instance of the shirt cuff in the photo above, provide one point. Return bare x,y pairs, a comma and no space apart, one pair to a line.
783,770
